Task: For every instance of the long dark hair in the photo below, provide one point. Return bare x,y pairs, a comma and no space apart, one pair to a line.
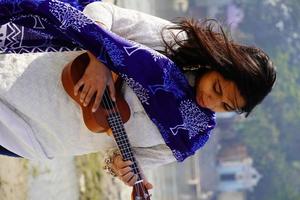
205,48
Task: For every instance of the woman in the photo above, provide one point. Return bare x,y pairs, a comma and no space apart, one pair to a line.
226,77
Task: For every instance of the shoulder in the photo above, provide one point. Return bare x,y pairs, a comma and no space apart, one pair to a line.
98,5
119,13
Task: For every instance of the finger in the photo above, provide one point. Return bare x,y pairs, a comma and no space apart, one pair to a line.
124,171
98,100
121,164
84,92
133,180
112,90
127,177
78,86
117,160
148,185
89,96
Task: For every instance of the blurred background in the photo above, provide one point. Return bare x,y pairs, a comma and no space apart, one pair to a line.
257,158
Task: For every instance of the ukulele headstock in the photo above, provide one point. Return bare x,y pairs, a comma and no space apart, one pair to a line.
139,192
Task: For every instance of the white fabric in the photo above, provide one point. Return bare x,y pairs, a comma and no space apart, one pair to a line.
22,141
30,84
131,24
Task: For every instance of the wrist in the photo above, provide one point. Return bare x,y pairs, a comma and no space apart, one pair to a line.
109,162
92,57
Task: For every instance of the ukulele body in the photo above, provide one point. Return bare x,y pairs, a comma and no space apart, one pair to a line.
94,121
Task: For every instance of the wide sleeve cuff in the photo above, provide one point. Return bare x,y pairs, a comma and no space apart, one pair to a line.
100,12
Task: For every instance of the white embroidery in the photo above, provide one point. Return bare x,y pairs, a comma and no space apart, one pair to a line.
68,15
194,120
139,90
136,46
115,54
178,155
172,77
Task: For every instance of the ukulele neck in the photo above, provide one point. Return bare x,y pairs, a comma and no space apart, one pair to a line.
121,138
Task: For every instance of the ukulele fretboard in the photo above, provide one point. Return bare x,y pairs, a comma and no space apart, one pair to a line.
121,138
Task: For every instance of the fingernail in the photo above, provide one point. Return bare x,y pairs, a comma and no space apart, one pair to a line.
85,104
94,110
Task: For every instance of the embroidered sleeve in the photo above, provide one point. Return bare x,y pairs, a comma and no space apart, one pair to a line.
150,158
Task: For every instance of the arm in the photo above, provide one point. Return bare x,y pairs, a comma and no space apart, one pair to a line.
97,76
147,158
133,25
93,82
100,12
150,158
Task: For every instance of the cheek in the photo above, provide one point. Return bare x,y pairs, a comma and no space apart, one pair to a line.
204,88
198,89
201,94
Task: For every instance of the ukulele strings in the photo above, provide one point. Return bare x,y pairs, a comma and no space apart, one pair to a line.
110,104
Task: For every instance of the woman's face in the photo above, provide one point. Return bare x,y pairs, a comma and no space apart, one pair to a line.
218,94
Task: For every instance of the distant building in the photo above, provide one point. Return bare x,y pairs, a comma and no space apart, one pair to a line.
235,170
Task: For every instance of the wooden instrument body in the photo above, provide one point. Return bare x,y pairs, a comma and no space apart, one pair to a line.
94,121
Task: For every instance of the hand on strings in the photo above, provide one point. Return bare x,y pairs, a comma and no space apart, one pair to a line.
94,82
124,172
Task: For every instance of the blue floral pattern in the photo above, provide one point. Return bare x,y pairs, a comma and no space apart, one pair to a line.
178,155
172,77
195,121
136,47
68,15
139,90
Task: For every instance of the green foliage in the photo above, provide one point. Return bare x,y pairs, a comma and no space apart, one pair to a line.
271,134
89,172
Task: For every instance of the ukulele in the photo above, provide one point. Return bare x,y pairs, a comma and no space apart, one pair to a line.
110,116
